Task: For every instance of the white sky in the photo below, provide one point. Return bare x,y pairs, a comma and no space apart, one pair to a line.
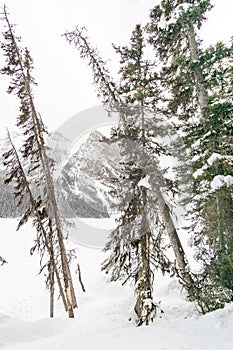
65,82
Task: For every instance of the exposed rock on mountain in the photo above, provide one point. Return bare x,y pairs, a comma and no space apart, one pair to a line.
85,192
80,177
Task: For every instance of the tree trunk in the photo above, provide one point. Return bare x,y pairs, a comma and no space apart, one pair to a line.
199,82
80,278
144,307
61,290
51,271
174,240
53,212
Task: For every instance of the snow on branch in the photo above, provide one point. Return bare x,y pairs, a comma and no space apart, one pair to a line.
221,181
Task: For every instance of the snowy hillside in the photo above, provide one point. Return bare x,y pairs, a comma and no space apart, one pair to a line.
102,320
78,194
7,200
80,183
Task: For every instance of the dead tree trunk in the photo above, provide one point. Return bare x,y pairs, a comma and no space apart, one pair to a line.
19,66
199,82
47,238
184,271
53,211
51,271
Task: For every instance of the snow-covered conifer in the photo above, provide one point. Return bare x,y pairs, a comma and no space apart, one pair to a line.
198,85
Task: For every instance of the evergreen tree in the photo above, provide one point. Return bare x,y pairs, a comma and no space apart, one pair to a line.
198,85
213,184
137,243
131,244
139,89
19,68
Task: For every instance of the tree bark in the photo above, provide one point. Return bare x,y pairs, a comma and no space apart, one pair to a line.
53,212
51,271
80,278
174,239
144,307
199,82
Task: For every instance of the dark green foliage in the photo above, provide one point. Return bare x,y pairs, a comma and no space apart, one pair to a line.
170,31
198,84
209,295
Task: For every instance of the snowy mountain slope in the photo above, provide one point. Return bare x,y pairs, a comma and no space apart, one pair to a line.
78,179
102,318
82,177
7,201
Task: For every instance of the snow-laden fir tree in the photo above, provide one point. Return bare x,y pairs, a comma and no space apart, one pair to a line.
133,245
198,86
43,208
144,127
129,242
136,245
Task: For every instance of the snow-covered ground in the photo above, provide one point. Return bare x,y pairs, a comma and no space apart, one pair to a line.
102,319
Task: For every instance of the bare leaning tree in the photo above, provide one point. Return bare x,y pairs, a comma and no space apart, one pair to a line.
34,186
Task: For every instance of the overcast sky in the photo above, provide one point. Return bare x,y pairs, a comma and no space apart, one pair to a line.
64,81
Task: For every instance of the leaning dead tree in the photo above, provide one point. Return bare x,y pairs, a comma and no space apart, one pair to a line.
35,209
44,209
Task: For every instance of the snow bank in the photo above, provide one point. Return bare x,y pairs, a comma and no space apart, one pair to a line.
101,321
